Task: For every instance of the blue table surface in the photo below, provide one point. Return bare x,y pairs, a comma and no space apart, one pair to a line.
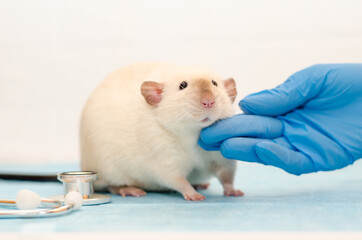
274,201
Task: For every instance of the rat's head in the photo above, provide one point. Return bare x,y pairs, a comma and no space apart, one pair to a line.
190,98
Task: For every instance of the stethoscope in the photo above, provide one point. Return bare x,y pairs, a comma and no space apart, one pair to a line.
78,191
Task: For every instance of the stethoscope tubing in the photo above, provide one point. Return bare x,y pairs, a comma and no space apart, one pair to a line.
50,212
41,212
56,202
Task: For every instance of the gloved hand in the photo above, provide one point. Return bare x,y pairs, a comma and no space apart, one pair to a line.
312,122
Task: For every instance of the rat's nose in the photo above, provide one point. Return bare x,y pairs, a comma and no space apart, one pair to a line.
208,102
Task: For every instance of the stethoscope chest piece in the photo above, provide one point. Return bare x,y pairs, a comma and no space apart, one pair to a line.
82,182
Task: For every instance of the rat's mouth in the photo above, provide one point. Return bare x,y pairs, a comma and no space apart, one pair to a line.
205,120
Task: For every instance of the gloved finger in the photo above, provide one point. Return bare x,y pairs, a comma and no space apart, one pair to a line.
242,126
241,149
209,147
294,162
216,146
283,142
293,93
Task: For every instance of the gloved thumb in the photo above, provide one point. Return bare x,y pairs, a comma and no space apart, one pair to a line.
293,93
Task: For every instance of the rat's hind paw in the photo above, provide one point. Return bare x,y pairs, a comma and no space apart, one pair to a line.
233,193
201,186
127,191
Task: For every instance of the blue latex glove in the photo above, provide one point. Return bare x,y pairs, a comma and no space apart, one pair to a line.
312,122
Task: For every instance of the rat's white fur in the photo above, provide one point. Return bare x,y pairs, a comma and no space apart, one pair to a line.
131,143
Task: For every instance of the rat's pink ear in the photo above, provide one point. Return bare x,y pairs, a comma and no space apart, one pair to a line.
230,88
152,91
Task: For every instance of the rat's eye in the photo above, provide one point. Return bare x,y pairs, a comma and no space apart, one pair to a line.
183,85
213,82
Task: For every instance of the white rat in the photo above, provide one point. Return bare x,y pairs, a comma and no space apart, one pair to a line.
140,127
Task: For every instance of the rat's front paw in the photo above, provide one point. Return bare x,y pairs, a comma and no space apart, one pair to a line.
194,196
233,193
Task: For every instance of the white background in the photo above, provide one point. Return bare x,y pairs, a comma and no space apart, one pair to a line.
53,54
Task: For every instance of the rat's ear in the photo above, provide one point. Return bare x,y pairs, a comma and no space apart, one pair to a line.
152,91
230,88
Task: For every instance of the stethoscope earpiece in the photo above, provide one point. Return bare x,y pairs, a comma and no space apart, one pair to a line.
26,200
